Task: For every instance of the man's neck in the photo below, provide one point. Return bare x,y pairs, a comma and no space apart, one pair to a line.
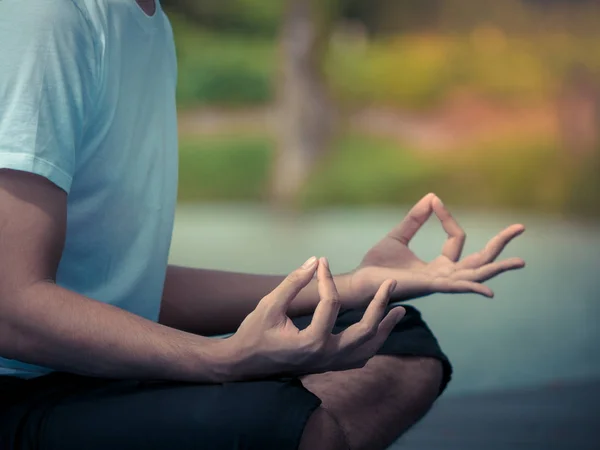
148,6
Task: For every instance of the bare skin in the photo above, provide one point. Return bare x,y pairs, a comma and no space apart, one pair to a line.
369,408
314,349
148,6
214,302
45,324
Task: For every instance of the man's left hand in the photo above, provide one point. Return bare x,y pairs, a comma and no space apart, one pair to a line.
392,258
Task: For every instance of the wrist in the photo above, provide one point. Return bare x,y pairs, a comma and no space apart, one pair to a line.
357,289
362,286
215,361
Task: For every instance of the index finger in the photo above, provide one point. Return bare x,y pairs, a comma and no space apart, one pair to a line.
413,221
281,297
357,334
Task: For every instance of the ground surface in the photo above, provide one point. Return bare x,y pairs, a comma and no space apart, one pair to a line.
551,418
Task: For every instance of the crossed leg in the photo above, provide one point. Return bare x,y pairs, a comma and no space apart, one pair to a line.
366,408
370,408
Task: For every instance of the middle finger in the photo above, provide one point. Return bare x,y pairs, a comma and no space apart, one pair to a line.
453,246
328,308
359,333
493,248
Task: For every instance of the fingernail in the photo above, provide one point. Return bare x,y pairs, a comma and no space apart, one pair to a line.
310,262
392,287
325,262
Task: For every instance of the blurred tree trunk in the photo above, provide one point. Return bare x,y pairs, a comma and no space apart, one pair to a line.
304,112
579,113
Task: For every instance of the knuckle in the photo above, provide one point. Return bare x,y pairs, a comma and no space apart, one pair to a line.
332,300
371,334
381,300
309,353
265,303
315,345
294,278
269,311
318,349
366,331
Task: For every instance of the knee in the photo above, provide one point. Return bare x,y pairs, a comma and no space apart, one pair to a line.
419,378
430,371
323,432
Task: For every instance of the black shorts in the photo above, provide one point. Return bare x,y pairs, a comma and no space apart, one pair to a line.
63,411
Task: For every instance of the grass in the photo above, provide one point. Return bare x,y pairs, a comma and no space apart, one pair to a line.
224,168
366,170
358,170
361,170
223,68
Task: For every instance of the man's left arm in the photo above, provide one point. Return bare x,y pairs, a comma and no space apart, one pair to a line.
211,302
208,302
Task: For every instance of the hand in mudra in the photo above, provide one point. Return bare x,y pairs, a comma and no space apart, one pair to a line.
391,258
268,343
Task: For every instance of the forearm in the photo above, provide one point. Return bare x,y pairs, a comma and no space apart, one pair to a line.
212,302
53,327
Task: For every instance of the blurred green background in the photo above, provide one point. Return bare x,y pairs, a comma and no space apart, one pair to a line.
310,127
301,103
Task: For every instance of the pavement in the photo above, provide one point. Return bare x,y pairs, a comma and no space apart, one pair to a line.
557,417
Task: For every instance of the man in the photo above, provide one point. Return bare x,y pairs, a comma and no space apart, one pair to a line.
104,345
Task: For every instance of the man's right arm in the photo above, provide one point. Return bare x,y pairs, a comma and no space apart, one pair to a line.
44,324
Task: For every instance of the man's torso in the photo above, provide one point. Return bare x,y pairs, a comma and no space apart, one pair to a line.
122,197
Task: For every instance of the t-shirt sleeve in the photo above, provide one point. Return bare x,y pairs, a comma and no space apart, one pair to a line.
48,78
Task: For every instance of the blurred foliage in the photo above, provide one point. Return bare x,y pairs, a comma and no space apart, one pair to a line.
391,17
224,69
510,174
583,195
419,70
364,170
406,55
408,70
248,17
367,170
224,168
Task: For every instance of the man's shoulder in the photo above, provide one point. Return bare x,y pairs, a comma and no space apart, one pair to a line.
46,11
43,19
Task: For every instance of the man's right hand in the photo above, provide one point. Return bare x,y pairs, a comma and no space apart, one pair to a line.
268,343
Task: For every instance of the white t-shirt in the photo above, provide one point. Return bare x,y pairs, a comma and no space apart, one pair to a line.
87,100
